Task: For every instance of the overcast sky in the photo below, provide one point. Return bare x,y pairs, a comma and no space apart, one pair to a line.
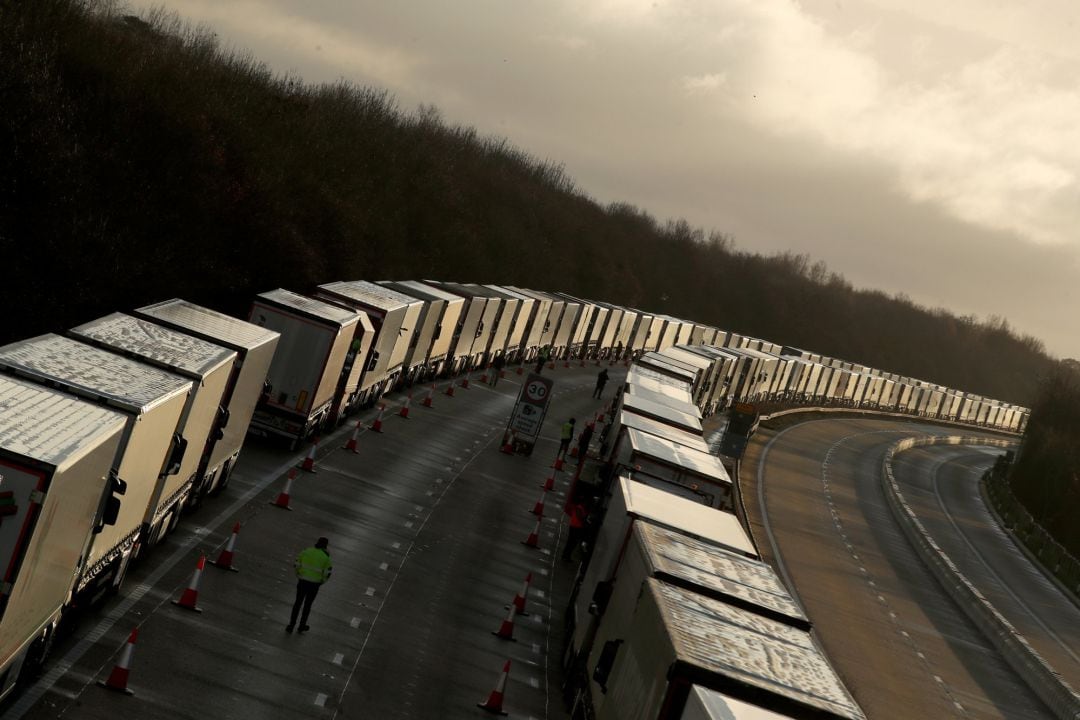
929,147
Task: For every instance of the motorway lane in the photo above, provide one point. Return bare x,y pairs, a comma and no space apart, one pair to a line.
901,645
425,524
941,483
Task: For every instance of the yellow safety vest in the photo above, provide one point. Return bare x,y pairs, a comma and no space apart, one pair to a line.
313,565
567,431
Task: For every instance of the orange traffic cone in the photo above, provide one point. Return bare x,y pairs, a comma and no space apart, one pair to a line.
573,451
558,463
450,388
494,702
190,596
549,484
404,412
465,381
283,496
225,559
551,365
484,377
566,363
377,425
351,444
309,461
519,599
520,370
508,442
534,537
430,393
118,678
506,629
538,508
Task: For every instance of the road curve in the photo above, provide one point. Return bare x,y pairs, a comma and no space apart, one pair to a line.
940,484
901,645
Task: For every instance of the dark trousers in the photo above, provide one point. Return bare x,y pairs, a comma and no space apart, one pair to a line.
574,536
598,391
306,590
564,445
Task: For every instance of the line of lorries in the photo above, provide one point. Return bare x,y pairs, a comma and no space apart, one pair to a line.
111,430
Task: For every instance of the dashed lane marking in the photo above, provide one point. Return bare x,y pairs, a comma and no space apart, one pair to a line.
384,566
370,592
339,658
321,699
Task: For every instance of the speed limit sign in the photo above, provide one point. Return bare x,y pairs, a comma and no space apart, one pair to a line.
536,390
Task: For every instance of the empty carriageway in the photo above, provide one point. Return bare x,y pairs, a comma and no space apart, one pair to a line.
426,523
902,646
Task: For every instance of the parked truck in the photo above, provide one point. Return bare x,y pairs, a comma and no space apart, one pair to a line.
254,347
56,454
304,377
206,365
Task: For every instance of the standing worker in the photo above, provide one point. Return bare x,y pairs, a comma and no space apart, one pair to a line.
583,443
576,532
497,366
566,435
313,568
542,357
601,381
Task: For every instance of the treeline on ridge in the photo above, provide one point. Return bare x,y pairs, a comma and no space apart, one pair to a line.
141,161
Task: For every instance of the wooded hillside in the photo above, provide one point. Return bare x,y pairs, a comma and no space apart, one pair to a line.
141,162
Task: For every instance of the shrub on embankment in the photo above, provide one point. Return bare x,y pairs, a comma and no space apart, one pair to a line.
141,161
1045,476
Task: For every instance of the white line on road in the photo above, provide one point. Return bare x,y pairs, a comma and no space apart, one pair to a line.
321,699
370,592
339,658
355,622
384,566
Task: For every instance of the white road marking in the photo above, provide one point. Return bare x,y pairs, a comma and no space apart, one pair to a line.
339,658
408,523
370,592
384,566
536,648
534,682
396,546
321,699
355,622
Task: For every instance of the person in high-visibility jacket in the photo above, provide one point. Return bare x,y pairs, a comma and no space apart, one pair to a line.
566,434
313,568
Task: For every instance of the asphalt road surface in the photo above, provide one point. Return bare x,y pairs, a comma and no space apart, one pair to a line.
426,524
941,483
901,645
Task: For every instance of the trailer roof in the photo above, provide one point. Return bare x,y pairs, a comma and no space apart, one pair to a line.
701,463
232,332
49,426
685,516
647,407
746,582
664,395
713,638
654,380
312,308
369,293
156,343
423,291
655,427
664,364
85,369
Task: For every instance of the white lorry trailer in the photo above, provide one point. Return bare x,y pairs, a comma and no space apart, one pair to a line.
304,377
254,347
207,365
56,454
152,447
395,317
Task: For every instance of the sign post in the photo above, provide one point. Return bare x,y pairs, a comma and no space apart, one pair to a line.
528,415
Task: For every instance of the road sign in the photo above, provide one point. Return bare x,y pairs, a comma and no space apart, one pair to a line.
529,412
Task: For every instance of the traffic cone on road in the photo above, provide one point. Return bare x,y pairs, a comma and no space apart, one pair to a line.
549,484
538,508
309,461
225,559
484,377
377,425
508,442
189,599
450,388
566,363
574,451
404,412
520,370
558,463
118,678
430,393
534,537
465,380
519,599
506,629
283,496
351,444
494,703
